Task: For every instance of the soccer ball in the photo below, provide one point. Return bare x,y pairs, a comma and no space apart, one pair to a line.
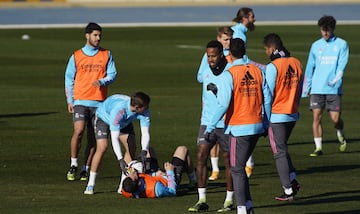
135,165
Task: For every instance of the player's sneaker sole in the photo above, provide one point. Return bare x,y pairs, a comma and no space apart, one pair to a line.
199,207
83,176
214,176
227,207
249,171
285,197
89,190
71,173
316,153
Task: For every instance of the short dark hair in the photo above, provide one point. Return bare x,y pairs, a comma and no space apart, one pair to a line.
130,185
242,13
327,22
273,39
215,44
140,99
237,48
91,27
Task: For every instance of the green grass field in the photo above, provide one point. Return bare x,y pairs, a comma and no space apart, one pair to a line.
35,127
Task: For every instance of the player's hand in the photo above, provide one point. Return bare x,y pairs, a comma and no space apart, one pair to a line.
168,166
123,166
70,108
210,136
213,88
265,133
96,83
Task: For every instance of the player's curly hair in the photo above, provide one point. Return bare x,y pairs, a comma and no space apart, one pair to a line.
327,22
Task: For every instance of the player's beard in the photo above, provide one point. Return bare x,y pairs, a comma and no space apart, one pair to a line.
251,26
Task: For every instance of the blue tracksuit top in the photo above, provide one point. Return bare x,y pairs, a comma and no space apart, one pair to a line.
325,67
240,31
115,111
70,75
210,101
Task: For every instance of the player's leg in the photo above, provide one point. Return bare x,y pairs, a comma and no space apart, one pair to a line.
214,160
317,105
333,105
127,138
102,143
224,142
203,152
240,150
75,143
91,144
183,163
278,136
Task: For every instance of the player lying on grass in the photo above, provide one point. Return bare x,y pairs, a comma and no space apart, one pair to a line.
150,182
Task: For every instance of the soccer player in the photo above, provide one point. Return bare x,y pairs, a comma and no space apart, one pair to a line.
243,101
323,81
245,21
88,73
224,34
212,78
117,113
284,76
158,183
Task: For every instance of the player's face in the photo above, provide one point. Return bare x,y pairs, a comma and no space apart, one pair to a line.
94,38
224,40
326,33
249,22
268,50
133,175
213,56
139,109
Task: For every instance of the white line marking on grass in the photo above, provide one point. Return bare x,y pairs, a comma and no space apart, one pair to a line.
197,47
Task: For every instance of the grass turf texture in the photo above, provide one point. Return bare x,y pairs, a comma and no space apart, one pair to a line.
36,128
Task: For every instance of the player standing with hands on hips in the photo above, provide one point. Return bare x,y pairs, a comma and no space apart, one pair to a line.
88,73
323,81
284,76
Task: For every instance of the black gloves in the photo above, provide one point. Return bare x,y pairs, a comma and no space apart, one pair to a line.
212,87
123,166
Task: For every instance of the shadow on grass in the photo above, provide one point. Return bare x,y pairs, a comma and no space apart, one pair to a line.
26,114
327,169
335,141
324,198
